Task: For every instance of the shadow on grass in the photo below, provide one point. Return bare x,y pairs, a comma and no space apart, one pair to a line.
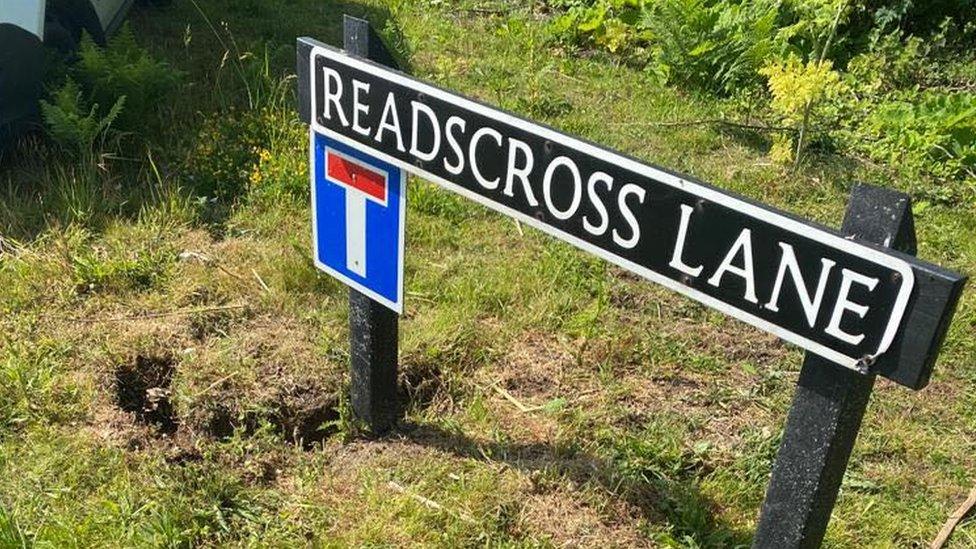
750,138
202,141
676,503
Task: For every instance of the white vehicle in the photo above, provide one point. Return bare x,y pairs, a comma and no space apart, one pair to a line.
26,25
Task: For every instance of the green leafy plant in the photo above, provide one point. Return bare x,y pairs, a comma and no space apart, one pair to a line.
33,390
928,133
111,88
798,89
124,69
120,271
712,45
612,24
906,109
11,533
74,124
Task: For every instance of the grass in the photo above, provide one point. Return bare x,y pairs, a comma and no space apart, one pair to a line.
172,366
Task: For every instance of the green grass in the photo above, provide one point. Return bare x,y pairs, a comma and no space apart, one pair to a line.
178,266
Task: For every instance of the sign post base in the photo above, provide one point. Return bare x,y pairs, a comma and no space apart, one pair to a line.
373,362
829,404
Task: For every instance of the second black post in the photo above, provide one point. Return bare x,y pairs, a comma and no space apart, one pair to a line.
829,403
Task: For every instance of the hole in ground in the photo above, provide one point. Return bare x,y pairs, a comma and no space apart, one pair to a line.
420,382
142,388
305,425
308,427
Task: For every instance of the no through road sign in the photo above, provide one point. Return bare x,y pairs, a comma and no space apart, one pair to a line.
861,307
358,211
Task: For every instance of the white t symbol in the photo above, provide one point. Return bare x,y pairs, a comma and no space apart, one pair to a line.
361,183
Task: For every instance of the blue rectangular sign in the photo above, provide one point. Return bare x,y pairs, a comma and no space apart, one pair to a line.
358,214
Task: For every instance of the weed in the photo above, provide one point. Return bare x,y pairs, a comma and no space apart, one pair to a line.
82,194
199,504
11,534
120,269
169,205
35,389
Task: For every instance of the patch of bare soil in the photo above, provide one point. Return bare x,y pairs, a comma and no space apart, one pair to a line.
536,367
420,382
125,430
142,388
568,521
538,370
735,342
268,371
723,394
719,407
206,375
575,507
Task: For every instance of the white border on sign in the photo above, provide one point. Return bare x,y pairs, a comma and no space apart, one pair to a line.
713,195
396,306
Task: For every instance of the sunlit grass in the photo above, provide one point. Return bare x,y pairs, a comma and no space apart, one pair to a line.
650,419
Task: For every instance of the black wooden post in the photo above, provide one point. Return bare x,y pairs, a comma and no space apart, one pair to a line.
372,327
829,403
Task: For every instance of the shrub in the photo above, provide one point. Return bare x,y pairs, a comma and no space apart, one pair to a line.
250,146
928,134
613,24
108,88
279,171
798,90
712,45
914,17
852,71
228,148
907,110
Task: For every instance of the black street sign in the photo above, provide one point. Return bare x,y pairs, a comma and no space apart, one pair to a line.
858,300
841,298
